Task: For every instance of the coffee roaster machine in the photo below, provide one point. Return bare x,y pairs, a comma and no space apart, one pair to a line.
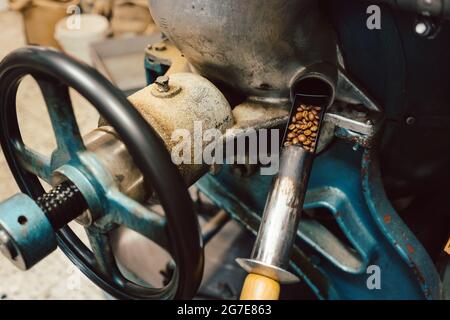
361,216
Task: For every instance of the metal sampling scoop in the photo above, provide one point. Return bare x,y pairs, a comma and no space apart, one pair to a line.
270,256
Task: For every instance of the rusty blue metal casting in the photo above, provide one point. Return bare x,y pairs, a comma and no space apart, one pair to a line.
347,183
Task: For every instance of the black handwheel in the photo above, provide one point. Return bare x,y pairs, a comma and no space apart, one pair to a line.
55,73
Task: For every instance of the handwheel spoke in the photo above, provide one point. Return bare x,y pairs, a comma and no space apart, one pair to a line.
33,161
103,254
131,214
65,127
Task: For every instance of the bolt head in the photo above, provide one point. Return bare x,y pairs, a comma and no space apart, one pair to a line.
162,83
421,28
410,121
425,28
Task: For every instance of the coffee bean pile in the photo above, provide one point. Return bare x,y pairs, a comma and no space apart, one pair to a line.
304,128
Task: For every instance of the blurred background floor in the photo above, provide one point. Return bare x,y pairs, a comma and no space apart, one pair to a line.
55,277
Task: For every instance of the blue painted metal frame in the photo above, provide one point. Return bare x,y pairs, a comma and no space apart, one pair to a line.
348,184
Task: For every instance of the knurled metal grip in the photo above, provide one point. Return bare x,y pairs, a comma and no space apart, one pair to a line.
62,204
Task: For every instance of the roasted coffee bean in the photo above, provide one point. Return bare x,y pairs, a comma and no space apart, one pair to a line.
304,127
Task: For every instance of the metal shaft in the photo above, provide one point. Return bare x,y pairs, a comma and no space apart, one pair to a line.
282,212
271,252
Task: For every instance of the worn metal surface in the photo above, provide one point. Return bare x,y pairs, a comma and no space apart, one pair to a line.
197,100
343,183
113,154
31,236
357,125
164,58
260,115
270,256
397,234
258,48
358,121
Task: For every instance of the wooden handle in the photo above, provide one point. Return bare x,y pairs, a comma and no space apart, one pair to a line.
258,287
447,247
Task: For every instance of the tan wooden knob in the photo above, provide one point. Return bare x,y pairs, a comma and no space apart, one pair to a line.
257,287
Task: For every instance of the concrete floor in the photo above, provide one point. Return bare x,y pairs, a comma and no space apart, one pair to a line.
55,277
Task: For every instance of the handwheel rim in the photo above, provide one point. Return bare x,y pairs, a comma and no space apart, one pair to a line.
142,143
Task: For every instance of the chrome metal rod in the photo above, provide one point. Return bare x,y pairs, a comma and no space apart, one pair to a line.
282,212
272,249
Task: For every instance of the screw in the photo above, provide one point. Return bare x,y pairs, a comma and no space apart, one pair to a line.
410,121
424,28
162,83
421,28
6,247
